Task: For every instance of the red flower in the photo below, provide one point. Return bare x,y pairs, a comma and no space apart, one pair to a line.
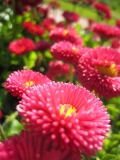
19,6
70,115
99,70
54,4
21,46
33,28
43,11
57,69
106,31
0,113
116,44
42,46
67,52
71,16
28,147
19,81
69,34
31,2
48,24
103,9
118,23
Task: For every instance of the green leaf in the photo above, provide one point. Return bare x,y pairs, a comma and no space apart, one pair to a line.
11,125
109,157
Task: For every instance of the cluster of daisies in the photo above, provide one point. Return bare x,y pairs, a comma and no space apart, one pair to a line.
62,120
97,69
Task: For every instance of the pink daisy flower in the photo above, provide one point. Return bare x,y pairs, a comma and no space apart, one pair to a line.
115,43
70,115
42,46
57,69
19,81
118,23
106,31
99,70
43,11
28,147
71,16
54,4
21,46
103,9
69,34
67,52
48,24
33,28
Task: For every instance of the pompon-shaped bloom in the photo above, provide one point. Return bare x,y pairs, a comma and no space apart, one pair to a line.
118,23
103,9
28,147
57,69
42,46
21,46
19,81
71,16
115,43
106,31
48,24
33,28
69,34
67,52
99,70
69,114
43,11
54,4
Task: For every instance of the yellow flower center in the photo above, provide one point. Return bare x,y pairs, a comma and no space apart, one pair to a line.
111,71
67,110
65,32
75,49
29,84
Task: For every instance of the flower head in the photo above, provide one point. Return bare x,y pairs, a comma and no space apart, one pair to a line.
33,28
118,23
103,9
19,81
54,67
69,34
71,16
42,46
106,31
99,70
43,11
70,115
115,43
21,46
54,4
67,52
48,24
26,146
19,6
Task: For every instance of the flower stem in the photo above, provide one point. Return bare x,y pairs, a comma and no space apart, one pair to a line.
2,135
